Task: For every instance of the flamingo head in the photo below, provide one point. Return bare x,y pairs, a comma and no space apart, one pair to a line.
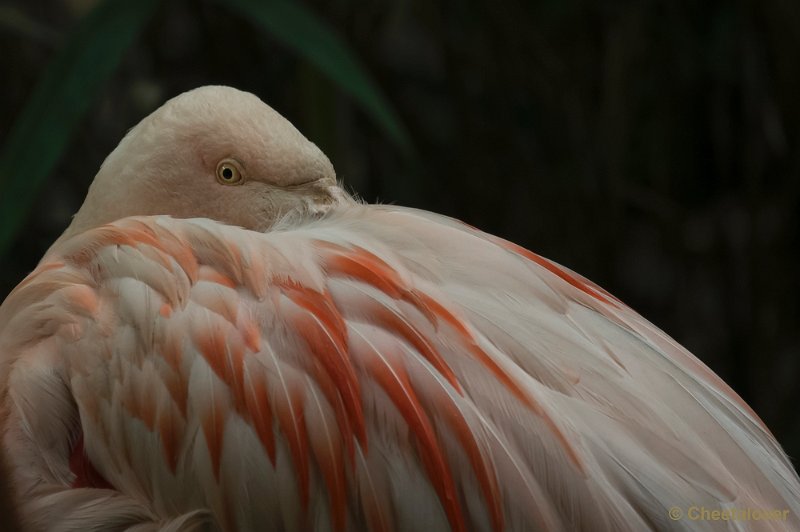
213,152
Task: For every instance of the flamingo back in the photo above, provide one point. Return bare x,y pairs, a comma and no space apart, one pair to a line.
380,369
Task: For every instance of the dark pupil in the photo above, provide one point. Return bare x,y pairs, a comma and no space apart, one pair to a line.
227,173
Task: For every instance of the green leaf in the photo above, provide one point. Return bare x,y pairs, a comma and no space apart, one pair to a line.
298,28
60,99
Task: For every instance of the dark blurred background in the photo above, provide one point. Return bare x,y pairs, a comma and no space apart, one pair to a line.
653,146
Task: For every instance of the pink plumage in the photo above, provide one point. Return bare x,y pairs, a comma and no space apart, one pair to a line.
337,366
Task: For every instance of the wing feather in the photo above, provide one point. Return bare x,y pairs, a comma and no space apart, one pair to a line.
381,368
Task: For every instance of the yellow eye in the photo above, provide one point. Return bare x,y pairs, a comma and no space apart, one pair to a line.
229,173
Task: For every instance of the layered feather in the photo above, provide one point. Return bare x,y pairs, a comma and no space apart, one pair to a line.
380,369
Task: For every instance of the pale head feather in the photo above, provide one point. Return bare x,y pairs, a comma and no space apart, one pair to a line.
168,164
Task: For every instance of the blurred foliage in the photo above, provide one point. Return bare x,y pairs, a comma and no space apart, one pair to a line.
653,146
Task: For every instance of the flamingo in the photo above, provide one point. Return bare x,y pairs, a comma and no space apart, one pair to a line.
224,339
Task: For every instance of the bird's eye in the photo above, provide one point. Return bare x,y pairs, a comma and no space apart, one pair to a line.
229,173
